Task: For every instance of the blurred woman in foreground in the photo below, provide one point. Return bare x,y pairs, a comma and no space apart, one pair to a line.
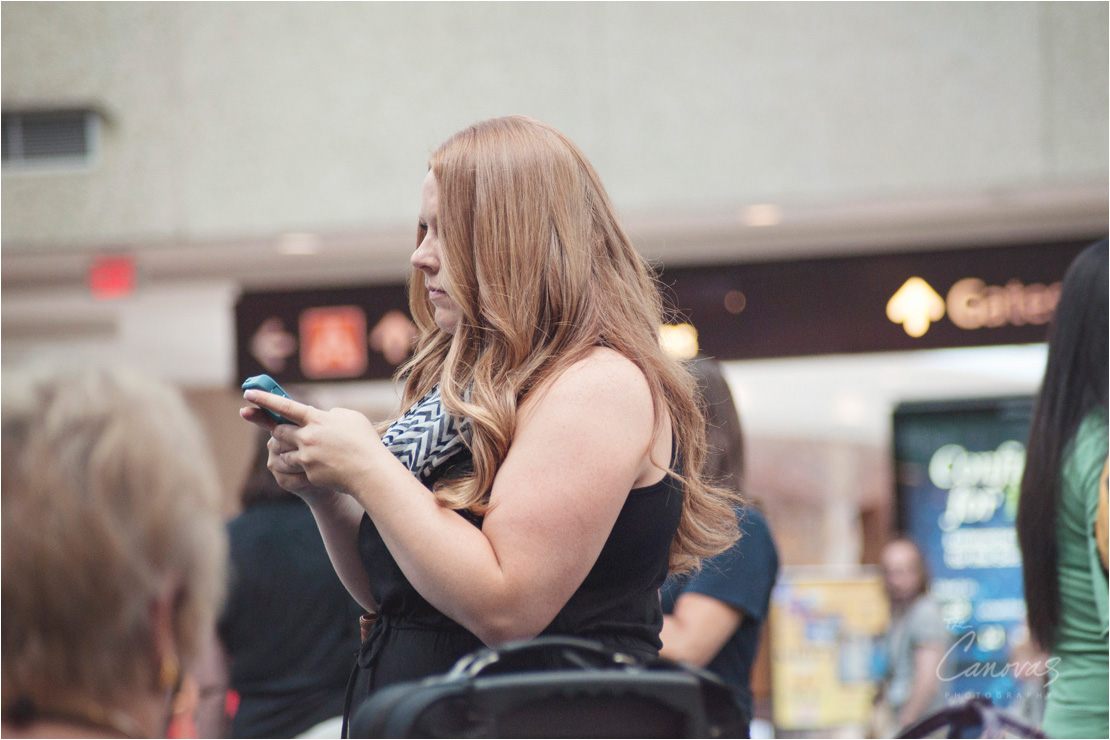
113,552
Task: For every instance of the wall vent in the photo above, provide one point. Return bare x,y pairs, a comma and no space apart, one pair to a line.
52,138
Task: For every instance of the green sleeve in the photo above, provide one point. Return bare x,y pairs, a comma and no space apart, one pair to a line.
1098,575
1095,454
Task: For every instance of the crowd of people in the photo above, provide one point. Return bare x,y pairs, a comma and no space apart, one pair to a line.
554,471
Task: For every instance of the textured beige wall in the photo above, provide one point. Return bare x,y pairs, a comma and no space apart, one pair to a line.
233,120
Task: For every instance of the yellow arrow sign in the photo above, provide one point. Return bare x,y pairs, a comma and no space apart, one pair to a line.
915,305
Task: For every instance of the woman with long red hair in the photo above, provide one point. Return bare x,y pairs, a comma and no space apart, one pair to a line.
546,474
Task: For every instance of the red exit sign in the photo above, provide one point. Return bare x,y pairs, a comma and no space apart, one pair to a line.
112,276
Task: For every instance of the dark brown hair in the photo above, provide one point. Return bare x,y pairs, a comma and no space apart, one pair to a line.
724,437
260,485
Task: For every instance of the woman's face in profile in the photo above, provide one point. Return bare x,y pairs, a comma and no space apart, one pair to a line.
428,259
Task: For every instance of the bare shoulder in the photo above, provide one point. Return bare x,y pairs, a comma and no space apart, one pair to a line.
598,412
603,379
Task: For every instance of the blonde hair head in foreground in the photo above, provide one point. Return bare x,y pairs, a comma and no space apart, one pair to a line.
110,502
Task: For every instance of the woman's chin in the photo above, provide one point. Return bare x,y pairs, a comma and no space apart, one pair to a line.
447,324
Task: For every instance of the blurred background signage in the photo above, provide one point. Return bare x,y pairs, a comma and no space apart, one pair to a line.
824,625
334,342
324,335
112,276
958,468
873,303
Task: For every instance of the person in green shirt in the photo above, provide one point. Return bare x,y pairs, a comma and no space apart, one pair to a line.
1065,583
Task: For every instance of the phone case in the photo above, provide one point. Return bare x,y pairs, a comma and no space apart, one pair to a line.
269,385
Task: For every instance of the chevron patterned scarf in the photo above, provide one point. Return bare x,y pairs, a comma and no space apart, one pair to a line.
426,436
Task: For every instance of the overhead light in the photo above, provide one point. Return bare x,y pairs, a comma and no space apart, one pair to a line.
735,301
761,214
680,340
299,244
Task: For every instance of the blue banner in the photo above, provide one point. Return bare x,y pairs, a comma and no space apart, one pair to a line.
959,468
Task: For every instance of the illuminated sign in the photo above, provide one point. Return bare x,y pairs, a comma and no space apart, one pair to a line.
972,304
978,483
958,470
992,295
324,335
271,345
914,306
872,303
112,276
333,342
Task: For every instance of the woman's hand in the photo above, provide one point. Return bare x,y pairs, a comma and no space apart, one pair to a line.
330,450
338,516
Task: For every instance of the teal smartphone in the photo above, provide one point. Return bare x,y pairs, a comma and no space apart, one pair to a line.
269,385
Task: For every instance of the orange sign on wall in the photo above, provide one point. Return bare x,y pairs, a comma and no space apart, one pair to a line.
333,342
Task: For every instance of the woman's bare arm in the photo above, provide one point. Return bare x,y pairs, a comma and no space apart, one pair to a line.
698,629
581,444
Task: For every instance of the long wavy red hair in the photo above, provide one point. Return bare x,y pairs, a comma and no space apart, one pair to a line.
543,272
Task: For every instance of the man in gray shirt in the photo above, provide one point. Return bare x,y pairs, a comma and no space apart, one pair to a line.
916,639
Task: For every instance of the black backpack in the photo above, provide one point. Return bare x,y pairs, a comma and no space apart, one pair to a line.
557,687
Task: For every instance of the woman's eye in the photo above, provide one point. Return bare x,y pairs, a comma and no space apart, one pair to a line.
423,226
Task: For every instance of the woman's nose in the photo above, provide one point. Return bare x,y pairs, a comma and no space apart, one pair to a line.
424,258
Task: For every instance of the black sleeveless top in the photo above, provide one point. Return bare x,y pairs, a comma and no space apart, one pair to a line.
617,604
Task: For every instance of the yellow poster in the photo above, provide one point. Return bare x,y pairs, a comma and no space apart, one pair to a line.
824,626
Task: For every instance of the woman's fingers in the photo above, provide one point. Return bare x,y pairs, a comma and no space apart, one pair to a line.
282,445
327,447
280,456
298,413
256,416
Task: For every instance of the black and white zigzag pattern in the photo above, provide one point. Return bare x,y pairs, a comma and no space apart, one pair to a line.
425,437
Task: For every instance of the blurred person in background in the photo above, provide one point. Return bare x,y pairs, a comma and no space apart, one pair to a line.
547,472
289,628
713,618
114,552
1065,579
1032,671
914,644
